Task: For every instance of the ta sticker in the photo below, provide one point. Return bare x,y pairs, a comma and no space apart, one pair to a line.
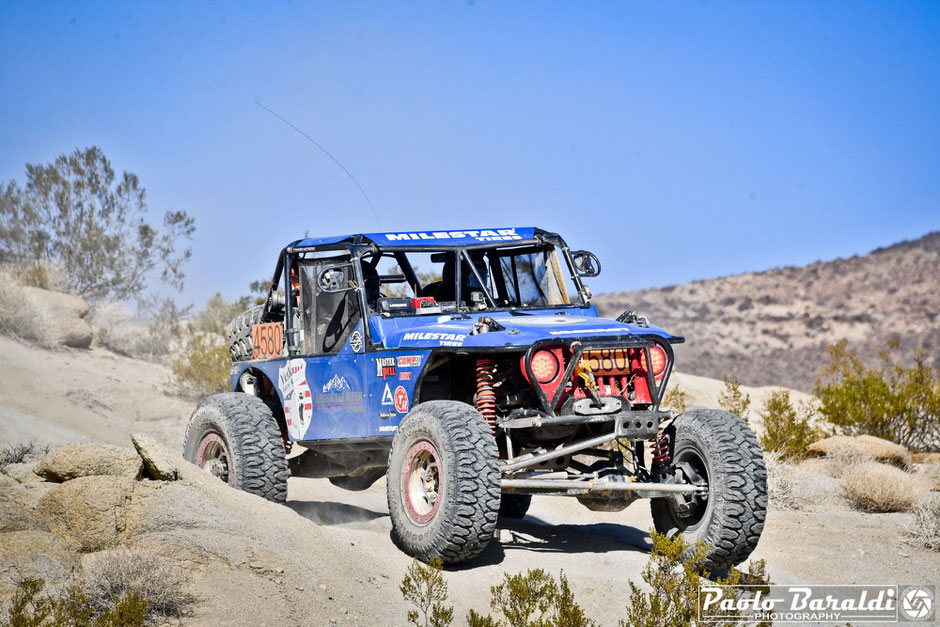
387,396
401,400
355,341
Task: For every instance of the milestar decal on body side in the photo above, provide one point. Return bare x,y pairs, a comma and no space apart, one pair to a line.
445,339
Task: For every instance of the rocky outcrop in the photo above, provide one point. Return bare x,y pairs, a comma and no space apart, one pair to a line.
66,313
90,513
88,460
157,461
34,554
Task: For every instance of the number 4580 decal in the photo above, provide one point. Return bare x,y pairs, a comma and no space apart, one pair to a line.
267,340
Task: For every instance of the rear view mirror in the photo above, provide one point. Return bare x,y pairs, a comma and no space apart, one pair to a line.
586,263
332,279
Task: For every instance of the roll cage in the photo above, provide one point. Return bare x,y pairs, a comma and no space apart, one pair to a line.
360,246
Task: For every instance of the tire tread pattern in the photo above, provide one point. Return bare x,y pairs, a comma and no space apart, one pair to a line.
253,438
469,521
738,492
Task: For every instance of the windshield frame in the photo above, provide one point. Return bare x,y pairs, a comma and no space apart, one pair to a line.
578,300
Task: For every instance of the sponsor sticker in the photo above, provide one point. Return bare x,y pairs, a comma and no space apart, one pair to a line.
385,367
405,375
387,428
817,603
385,415
485,235
444,339
409,361
387,396
336,384
401,400
355,341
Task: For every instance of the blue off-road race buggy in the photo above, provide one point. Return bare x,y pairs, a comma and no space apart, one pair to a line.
470,369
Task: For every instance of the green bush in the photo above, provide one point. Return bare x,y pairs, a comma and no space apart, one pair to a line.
424,587
674,573
893,401
203,363
534,599
70,608
787,431
734,400
676,400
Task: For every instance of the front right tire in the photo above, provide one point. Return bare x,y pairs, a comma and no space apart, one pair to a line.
722,450
443,482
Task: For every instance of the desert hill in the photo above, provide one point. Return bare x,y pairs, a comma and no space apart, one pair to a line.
770,328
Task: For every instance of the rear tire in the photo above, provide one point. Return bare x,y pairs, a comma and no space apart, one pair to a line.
235,437
514,506
240,344
443,482
722,447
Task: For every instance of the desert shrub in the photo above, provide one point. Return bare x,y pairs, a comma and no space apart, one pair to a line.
70,607
21,452
202,363
119,331
932,474
533,599
76,213
894,402
925,527
41,274
786,430
733,399
779,482
676,400
117,573
877,487
20,317
424,587
674,574
152,334
844,455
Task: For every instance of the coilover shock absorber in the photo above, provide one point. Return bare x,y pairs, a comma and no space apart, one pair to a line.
486,395
660,449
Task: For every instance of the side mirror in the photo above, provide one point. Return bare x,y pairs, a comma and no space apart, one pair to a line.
586,263
332,279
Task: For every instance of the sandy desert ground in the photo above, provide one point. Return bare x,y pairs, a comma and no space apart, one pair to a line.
73,395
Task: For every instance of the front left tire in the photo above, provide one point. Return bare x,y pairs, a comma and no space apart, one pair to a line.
443,482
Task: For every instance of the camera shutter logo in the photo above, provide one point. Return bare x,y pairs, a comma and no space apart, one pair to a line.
917,603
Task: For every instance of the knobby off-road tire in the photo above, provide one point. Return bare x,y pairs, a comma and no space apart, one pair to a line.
443,482
235,437
514,506
730,520
240,344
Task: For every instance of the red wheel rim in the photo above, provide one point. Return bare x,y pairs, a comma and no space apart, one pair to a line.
421,482
214,458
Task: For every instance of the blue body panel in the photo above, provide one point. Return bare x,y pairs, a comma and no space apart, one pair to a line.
367,393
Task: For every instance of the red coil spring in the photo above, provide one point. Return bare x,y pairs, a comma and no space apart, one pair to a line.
486,396
660,449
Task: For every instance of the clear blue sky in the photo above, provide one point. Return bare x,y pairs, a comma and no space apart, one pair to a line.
677,140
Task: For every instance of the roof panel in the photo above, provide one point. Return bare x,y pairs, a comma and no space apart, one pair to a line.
431,238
